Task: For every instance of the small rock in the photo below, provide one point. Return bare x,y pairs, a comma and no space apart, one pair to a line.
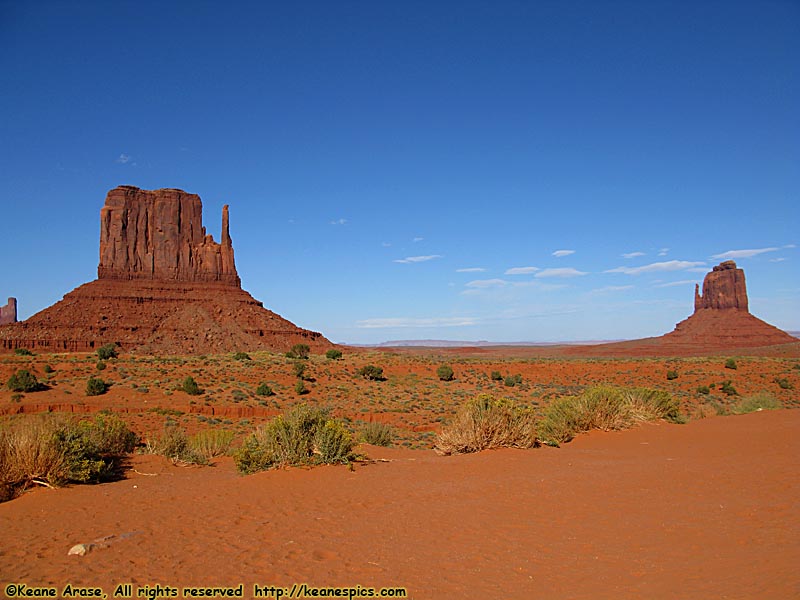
79,549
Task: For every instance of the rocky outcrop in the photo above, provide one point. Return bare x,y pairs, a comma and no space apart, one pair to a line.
163,287
159,235
8,313
724,287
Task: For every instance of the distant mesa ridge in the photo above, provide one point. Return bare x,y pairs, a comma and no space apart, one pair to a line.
163,287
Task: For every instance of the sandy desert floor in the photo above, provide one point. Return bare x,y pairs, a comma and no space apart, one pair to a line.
703,510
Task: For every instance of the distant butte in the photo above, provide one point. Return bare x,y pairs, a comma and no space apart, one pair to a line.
164,286
721,322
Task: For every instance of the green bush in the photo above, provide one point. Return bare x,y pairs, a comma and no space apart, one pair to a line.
300,388
190,386
23,381
727,388
756,402
264,390
299,369
174,444
100,365
107,351
303,436
22,352
672,375
731,364
606,408
96,386
299,351
370,372
210,443
496,376
703,389
333,354
377,434
484,423
47,369
512,380
784,383
241,356
445,373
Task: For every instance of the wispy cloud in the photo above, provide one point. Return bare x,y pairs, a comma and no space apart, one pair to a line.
744,253
789,246
417,239
565,272
124,159
676,283
471,270
632,254
385,244
656,267
608,289
339,222
560,253
781,259
417,259
663,252
487,283
402,322
521,270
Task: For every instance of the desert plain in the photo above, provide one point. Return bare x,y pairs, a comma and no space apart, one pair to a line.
696,510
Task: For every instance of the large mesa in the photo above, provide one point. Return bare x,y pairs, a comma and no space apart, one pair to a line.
164,287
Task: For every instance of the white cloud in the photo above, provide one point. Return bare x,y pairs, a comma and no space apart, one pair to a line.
744,253
670,265
789,246
611,288
385,244
339,222
417,259
124,159
401,322
565,272
676,283
663,252
487,283
632,254
418,239
560,253
521,270
471,270
781,259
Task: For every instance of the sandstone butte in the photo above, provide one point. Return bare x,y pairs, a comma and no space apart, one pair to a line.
8,313
721,322
163,286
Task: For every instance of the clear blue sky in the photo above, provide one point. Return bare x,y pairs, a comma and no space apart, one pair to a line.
402,170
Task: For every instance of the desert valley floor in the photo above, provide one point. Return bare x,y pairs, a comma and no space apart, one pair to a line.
700,510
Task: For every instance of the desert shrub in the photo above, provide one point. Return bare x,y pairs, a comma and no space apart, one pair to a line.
55,450
22,352
238,395
333,354
210,443
445,373
784,383
370,372
107,351
23,381
512,380
96,386
300,388
672,375
190,386
174,444
264,390
241,356
17,397
101,364
496,376
727,388
377,434
47,369
731,364
299,351
303,436
606,408
299,369
484,423
756,402
703,389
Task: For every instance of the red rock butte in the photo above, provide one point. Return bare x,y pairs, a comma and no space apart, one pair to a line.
164,286
721,322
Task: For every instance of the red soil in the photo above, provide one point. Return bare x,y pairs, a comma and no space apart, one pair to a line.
704,510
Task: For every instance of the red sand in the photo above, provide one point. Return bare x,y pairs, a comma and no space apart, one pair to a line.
703,510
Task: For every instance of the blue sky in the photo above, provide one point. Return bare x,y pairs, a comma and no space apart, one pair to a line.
501,171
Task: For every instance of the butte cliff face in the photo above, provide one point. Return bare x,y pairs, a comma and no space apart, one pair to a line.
8,313
164,287
724,287
159,236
